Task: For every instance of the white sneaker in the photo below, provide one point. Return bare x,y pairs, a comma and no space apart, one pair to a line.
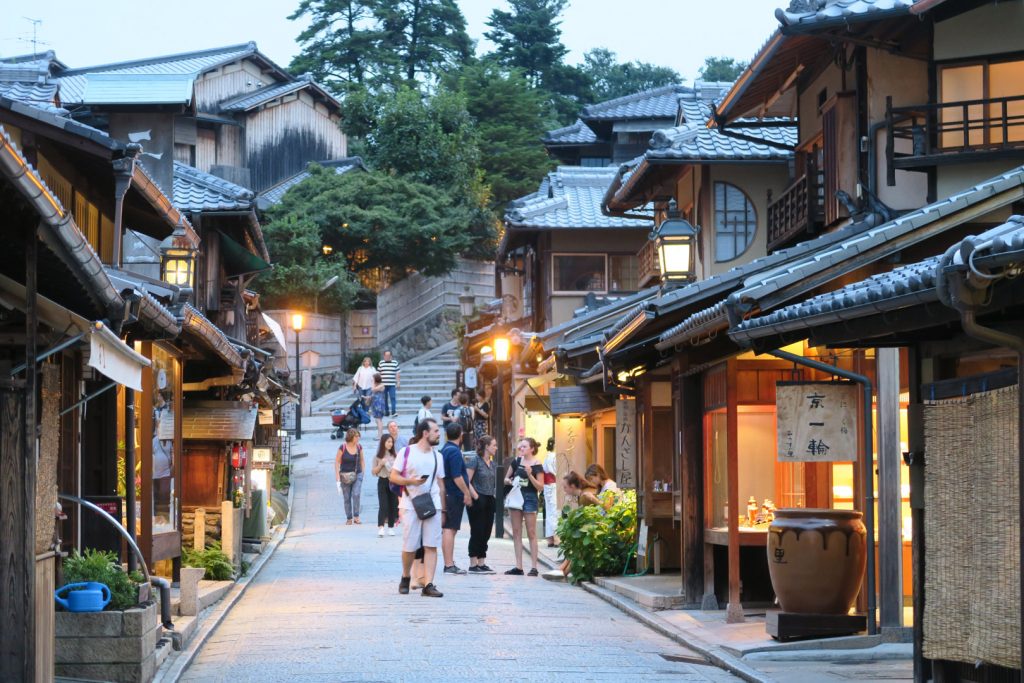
380,532
391,532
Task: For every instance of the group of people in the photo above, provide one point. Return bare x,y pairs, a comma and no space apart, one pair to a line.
378,387
466,407
456,484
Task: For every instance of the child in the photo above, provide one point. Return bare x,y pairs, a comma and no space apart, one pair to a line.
424,412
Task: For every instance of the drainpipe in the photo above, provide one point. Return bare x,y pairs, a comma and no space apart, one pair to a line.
868,471
124,168
963,294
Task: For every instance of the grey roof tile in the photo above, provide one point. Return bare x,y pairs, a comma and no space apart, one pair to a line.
578,133
594,321
569,197
254,99
820,13
42,95
273,195
197,191
650,104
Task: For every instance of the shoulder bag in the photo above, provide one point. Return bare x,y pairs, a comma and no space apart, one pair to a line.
423,504
349,478
514,497
395,488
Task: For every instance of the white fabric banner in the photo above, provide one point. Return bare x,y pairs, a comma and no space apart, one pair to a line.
111,356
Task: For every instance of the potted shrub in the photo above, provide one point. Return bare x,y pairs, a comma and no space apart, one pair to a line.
598,539
117,644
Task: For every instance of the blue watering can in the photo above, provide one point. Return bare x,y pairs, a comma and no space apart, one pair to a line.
91,596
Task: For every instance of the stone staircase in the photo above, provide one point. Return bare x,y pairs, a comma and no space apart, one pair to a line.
432,374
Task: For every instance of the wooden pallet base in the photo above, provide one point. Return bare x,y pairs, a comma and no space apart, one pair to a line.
790,626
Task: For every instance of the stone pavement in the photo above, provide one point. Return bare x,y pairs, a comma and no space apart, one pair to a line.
325,607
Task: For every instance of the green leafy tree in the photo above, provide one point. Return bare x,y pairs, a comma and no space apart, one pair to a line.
380,43
509,117
528,38
423,38
373,220
342,45
610,79
295,242
721,69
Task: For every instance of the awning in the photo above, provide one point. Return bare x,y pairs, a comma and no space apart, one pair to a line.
238,260
212,421
276,330
108,354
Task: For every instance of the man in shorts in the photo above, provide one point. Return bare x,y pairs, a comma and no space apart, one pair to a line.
420,473
458,494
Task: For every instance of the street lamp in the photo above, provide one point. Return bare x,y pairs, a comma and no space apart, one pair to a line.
467,302
501,355
675,239
178,259
297,326
316,297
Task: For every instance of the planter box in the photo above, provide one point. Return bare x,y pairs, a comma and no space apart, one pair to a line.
109,646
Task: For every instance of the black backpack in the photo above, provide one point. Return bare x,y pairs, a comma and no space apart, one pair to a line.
466,422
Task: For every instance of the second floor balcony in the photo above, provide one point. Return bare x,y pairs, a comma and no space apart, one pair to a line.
799,211
923,136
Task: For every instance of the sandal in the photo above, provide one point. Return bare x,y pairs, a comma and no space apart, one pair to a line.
348,522
357,521
532,572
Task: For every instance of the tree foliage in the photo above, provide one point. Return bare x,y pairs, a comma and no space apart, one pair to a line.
721,69
610,79
509,117
380,43
374,220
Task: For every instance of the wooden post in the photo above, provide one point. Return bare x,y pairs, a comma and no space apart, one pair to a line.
690,415
890,544
734,610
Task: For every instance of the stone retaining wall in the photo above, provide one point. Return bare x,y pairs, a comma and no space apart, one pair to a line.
424,335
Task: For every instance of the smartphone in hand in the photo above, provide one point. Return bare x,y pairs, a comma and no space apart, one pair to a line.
424,477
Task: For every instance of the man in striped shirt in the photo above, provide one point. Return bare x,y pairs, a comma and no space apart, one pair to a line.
390,375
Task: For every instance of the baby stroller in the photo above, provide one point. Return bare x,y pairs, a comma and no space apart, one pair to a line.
343,420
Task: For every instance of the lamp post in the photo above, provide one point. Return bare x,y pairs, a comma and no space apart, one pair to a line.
675,239
325,287
297,326
501,356
467,302
178,260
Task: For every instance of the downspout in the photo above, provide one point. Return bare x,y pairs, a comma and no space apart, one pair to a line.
124,169
965,294
868,470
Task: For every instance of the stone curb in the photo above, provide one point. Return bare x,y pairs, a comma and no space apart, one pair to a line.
714,654
178,663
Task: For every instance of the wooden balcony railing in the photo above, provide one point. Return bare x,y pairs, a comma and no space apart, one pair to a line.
927,135
798,210
649,272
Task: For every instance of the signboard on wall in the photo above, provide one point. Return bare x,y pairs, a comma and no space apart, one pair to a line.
266,416
288,415
570,449
625,443
816,421
262,458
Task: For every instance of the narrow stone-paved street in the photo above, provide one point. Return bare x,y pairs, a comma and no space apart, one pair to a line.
326,608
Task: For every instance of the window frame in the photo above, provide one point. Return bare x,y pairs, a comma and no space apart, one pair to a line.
608,272
985,62
753,212
577,292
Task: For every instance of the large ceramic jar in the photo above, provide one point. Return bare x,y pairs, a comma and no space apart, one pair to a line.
816,559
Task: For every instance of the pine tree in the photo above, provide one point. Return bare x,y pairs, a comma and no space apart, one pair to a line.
528,38
341,47
610,79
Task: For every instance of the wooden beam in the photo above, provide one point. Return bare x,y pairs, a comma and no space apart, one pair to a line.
890,543
16,604
734,610
689,416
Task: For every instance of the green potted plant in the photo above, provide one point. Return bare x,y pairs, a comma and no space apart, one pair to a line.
598,539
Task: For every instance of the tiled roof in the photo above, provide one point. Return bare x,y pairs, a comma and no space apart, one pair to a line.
658,103
594,321
868,245
899,288
578,133
273,195
28,71
569,197
208,421
42,95
75,83
820,13
263,95
197,191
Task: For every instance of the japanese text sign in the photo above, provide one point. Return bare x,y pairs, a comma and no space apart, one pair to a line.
625,443
817,421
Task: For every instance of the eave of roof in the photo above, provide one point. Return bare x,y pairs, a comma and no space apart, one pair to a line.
843,13
654,103
196,191
210,336
569,198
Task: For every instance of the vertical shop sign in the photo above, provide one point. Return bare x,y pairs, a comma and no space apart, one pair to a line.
625,442
570,449
817,421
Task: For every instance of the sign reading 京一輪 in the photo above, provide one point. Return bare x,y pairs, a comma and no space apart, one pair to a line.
817,421
625,442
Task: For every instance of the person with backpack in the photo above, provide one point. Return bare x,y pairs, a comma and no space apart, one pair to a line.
424,412
463,416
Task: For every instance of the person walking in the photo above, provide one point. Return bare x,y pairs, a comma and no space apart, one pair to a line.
348,472
482,472
526,471
460,495
377,402
391,375
550,493
387,501
424,411
417,470
362,381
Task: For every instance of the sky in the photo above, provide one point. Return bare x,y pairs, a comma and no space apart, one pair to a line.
674,33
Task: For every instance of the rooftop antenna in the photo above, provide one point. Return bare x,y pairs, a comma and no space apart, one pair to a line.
35,34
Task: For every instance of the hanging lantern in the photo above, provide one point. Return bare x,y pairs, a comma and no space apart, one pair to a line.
178,259
676,240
